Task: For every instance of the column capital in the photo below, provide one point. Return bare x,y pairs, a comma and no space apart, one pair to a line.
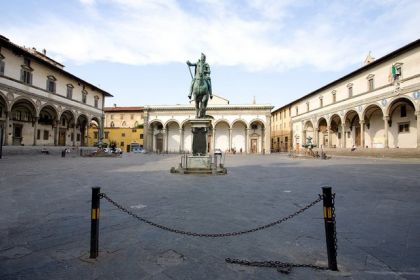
386,118
417,113
361,121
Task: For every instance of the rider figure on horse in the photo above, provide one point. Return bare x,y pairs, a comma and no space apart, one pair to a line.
201,85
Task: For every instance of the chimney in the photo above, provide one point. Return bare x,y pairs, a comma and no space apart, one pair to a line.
115,105
44,51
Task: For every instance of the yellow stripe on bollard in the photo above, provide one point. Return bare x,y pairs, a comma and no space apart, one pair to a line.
95,214
327,212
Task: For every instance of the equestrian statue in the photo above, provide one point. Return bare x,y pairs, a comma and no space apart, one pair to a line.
200,86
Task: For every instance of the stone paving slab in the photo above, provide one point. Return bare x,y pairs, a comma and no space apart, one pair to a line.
45,217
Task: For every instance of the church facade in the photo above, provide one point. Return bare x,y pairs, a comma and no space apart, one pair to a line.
376,106
234,128
41,103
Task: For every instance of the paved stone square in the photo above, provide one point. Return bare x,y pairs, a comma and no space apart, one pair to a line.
45,217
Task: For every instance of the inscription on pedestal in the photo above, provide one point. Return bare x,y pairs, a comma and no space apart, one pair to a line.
200,162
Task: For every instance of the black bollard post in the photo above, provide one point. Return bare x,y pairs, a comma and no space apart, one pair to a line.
94,225
329,221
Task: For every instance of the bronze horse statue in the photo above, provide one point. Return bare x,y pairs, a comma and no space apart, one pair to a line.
200,86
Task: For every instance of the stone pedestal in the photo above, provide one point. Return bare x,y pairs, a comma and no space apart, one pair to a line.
200,129
200,162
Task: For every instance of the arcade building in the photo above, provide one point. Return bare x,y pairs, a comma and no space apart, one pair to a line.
41,103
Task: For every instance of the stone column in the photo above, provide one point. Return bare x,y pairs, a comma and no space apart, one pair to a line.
152,139
35,129
56,124
181,139
214,138
362,133
247,144
267,134
316,136
329,136
74,135
101,129
343,136
6,128
165,140
418,128
263,141
230,139
386,119
87,135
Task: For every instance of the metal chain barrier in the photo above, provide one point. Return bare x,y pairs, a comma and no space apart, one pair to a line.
283,267
227,234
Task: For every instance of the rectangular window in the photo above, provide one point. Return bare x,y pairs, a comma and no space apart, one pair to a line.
350,92
26,77
134,130
403,111
132,117
38,134
297,110
96,104
307,106
321,102
141,136
122,134
106,134
122,144
69,92
78,137
404,127
51,86
72,136
84,97
95,135
1,67
371,85
46,134
121,116
334,97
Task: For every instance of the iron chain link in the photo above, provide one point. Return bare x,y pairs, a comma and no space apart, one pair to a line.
226,234
283,267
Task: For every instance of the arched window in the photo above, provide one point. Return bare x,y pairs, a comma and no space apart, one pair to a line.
123,124
112,124
136,124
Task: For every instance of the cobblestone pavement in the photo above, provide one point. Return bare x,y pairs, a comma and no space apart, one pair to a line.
45,217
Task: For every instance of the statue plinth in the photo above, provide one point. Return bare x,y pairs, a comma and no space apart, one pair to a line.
200,129
200,162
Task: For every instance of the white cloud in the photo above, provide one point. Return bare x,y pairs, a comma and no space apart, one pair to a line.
258,35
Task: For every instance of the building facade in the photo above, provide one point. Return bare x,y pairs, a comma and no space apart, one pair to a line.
123,126
281,129
41,103
376,106
234,128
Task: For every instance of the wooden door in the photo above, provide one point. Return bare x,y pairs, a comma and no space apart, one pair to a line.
159,144
17,134
62,137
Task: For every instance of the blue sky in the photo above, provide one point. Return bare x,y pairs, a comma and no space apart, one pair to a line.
274,50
